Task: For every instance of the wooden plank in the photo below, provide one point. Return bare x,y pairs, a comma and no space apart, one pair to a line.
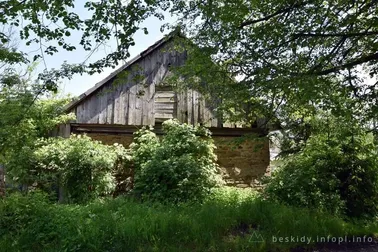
154,84
190,106
138,105
93,107
165,97
98,109
165,94
220,121
85,112
151,104
214,119
110,106
160,67
165,106
78,113
131,109
88,111
121,107
145,104
117,106
195,108
182,107
146,63
103,108
179,107
202,111
147,66
164,56
81,113
161,115
126,104
129,129
67,130
207,116
164,88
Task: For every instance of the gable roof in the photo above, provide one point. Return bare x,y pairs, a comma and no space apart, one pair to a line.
114,74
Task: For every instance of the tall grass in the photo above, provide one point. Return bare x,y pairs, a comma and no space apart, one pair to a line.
228,221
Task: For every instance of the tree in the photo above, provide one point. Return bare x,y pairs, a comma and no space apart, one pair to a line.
50,23
290,57
296,56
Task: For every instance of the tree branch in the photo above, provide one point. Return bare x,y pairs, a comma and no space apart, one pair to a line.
355,34
266,18
358,61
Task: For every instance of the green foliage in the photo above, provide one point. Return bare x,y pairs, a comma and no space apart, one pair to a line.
84,167
106,20
145,143
178,168
337,171
224,222
301,49
23,122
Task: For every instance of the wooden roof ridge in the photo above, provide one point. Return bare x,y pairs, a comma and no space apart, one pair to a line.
128,64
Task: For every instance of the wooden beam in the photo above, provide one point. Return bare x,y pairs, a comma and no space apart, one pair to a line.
78,128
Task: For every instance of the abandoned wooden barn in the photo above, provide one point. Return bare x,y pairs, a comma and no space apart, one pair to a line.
135,95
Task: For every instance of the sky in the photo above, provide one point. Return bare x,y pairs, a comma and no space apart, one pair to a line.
80,83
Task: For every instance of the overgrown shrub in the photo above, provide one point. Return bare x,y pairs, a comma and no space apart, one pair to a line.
83,166
337,171
179,167
22,123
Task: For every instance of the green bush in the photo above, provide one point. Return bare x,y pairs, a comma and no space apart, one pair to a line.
336,172
84,167
178,168
20,131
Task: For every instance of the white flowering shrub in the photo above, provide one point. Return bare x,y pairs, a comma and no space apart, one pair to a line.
179,167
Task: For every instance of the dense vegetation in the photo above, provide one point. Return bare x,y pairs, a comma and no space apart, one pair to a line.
301,65
180,167
180,208
336,171
229,220
84,168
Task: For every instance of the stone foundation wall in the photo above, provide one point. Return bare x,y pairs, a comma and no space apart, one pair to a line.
242,164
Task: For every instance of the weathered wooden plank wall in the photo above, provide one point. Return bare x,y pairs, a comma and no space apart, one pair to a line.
139,98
